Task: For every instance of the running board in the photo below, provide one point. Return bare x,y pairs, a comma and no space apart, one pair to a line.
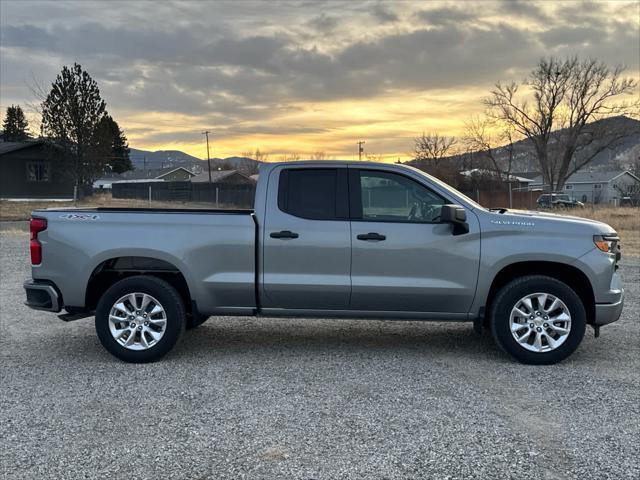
70,317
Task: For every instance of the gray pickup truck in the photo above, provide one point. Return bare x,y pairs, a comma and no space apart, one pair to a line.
329,239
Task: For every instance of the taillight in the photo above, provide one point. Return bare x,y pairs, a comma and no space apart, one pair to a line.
36,226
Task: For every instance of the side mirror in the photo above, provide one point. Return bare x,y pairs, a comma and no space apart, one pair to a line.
456,216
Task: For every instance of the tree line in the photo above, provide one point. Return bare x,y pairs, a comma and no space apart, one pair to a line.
82,139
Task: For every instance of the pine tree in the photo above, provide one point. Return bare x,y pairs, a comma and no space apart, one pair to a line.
116,143
71,114
15,126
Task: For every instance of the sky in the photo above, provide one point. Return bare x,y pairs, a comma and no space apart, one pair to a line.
299,77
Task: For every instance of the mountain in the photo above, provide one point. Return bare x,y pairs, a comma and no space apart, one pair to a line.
621,156
145,159
142,159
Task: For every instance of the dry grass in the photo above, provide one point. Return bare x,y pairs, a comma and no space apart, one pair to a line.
625,221
22,210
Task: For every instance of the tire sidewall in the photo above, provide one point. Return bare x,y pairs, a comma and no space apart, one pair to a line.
516,290
168,298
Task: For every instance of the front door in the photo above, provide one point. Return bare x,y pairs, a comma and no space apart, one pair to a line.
307,240
403,259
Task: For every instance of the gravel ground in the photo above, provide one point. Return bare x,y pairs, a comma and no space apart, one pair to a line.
311,399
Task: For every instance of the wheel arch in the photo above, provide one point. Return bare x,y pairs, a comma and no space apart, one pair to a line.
116,268
575,278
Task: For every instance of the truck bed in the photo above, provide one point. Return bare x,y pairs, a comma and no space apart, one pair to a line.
214,250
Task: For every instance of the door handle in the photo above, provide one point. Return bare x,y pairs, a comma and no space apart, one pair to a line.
371,236
284,234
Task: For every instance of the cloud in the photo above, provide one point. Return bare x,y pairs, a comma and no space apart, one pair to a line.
523,9
383,14
257,67
443,16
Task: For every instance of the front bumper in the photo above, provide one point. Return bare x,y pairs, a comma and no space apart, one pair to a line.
609,312
42,296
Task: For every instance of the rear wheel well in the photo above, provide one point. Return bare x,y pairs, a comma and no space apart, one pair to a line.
115,269
567,274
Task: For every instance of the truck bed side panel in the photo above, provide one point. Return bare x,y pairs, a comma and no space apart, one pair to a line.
215,252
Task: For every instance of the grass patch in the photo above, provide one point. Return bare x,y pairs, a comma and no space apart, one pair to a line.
14,211
624,220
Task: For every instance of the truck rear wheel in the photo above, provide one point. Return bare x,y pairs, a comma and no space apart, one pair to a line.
538,320
139,319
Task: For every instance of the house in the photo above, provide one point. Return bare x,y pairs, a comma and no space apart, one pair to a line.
611,186
226,177
28,171
516,181
169,174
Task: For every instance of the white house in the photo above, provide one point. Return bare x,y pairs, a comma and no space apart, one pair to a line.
598,187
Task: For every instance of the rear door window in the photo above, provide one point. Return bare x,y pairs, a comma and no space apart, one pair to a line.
314,193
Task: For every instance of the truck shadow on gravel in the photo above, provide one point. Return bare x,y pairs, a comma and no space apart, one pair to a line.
349,338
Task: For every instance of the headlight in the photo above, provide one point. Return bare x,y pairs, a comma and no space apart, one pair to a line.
606,243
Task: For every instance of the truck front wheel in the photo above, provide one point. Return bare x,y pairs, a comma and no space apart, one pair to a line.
139,319
539,320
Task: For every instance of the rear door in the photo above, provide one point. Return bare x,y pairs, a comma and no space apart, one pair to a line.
403,259
307,239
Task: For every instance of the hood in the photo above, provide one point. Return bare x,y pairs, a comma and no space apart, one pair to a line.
550,218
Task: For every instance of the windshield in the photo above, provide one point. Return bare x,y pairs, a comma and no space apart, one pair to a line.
448,188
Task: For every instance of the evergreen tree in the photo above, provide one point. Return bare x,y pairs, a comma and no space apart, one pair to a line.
116,143
15,125
71,113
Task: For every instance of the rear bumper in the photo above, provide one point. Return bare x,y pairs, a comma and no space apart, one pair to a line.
609,312
42,296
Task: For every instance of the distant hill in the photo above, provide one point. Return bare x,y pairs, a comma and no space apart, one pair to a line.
609,159
146,159
162,158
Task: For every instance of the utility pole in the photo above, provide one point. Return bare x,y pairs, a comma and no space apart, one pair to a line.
360,149
206,134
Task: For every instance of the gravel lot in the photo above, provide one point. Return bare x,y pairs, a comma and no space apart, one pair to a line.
311,399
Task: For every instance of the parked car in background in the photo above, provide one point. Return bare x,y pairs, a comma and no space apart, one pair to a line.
329,239
558,200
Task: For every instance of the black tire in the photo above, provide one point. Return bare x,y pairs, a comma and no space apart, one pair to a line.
194,320
165,294
517,289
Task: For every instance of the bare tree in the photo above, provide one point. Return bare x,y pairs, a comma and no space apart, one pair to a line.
566,96
494,140
290,157
320,155
432,148
258,155
374,157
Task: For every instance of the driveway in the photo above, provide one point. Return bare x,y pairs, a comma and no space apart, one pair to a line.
311,399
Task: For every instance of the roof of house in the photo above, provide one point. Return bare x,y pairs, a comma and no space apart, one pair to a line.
484,171
153,173
217,176
168,170
7,147
593,177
